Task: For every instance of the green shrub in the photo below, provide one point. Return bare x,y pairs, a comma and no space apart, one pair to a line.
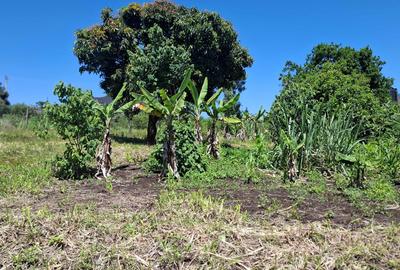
27,257
341,181
316,183
78,123
381,190
190,154
385,154
262,153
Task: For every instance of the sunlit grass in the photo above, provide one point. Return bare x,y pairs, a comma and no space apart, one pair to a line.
25,160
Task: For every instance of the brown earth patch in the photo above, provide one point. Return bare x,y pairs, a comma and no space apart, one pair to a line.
278,203
133,190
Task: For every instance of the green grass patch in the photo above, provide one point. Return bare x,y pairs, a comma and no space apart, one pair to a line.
25,161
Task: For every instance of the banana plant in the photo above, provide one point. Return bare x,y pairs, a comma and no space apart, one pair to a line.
169,108
107,112
245,126
291,144
197,107
257,119
360,162
215,112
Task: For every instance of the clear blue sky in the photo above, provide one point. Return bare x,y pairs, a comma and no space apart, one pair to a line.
37,39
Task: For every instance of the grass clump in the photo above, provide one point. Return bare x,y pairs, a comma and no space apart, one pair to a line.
27,257
25,161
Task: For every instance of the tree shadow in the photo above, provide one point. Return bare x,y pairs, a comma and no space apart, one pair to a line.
132,140
227,145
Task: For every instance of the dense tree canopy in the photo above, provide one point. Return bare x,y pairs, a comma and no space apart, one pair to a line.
156,42
336,79
348,61
151,46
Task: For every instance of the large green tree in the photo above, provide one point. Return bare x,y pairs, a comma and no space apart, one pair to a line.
150,46
336,78
4,103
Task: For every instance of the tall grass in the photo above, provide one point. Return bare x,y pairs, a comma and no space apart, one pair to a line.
310,138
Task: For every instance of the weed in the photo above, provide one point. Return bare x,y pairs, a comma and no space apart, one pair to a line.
57,241
316,183
381,190
270,205
108,185
27,257
330,214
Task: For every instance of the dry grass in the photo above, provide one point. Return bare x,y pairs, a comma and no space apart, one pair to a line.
186,231
73,225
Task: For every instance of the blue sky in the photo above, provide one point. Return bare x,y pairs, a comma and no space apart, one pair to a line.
37,39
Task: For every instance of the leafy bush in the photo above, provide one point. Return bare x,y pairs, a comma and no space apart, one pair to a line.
189,154
375,159
262,153
78,123
381,190
341,181
386,157
336,79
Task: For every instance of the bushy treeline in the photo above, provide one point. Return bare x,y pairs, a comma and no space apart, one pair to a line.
335,115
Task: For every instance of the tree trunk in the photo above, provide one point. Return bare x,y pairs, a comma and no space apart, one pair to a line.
152,129
292,172
170,162
242,134
212,148
360,177
103,157
226,131
197,126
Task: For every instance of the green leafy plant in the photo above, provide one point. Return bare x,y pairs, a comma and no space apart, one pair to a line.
291,145
321,136
381,190
197,106
169,108
215,112
107,112
251,168
359,161
256,120
189,154
387,157
79,124
262,152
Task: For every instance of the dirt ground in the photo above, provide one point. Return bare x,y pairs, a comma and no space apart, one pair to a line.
133,190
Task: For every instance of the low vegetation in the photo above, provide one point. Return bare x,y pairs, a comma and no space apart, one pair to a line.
311,184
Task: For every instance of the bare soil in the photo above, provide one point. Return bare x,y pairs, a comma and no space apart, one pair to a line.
335,208
133,190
